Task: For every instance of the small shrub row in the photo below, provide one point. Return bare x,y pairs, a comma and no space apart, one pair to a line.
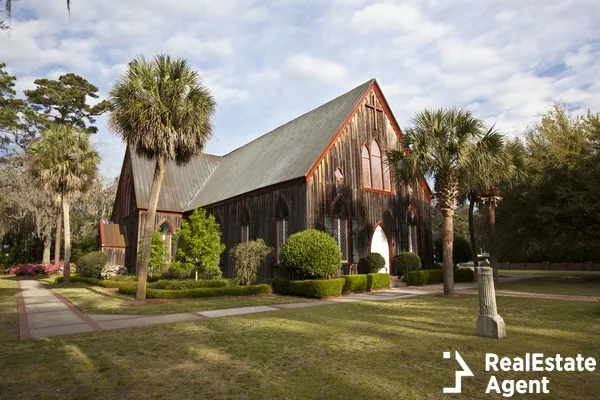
200,292
172,284
424,277
378,281
320,288
107,283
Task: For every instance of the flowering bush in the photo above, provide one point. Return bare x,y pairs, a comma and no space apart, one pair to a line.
36,269
110,271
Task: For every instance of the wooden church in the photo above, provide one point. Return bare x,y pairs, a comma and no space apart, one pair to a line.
325,170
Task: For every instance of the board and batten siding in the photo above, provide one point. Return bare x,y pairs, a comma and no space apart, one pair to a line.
261,207
368,206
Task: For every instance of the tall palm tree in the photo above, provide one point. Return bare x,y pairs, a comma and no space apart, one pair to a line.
64,161
485,181
163,112
444,144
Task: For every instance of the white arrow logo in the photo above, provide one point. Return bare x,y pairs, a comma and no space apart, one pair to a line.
466,371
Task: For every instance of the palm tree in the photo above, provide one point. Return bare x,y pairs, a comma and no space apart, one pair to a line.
485,181
444,144
64,162
163,112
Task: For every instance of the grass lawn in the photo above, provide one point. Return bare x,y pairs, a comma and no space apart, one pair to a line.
573,285
367,350
98,300
549,273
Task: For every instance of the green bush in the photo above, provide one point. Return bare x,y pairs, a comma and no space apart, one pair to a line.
188,284
373,263
200,292
461,249
406,262
248,256
318,288
107,283
417,278
281,285
424,277
464,275
378,281
311,254
355,283
91,264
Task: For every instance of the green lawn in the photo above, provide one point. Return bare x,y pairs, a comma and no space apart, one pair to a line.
573,285
367,350
549,273
97,300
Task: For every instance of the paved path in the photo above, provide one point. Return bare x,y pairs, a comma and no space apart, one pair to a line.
42,312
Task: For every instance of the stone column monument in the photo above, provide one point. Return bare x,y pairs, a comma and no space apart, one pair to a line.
489,323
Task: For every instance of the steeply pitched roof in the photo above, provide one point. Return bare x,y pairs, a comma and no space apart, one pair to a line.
180,183
287,152
281,155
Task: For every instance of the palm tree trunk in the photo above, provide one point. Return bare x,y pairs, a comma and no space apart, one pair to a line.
491,212
447,246
142,273
57,234
472,230
46,253
67,259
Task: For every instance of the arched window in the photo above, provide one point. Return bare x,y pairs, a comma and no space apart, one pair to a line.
245,226
375,171
366,167
341,216
376,166
166,233
126,201
282,214
413,237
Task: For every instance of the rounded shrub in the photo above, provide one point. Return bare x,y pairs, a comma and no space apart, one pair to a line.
406,262
373,263
91,264
311,254
461,249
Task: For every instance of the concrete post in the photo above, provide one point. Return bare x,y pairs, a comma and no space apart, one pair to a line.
489,323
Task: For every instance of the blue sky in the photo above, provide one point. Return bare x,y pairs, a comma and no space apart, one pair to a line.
267,62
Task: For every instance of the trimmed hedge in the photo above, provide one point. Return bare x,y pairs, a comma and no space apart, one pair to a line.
91,264
378,281
201,292
318,288
165,284
355,283
424,277
107,283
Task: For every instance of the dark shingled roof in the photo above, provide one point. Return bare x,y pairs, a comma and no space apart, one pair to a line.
285,153
180,183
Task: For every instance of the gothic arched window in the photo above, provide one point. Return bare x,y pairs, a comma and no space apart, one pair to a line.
341,218
282,214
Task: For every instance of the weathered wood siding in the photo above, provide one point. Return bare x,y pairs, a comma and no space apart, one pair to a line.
261,207
116,255
370,207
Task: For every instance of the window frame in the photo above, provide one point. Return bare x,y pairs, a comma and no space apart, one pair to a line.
244,230
385,175
285,220
336,218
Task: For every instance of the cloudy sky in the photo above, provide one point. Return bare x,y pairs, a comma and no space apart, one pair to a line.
268,61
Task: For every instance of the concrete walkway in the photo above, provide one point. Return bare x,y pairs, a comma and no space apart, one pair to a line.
42,312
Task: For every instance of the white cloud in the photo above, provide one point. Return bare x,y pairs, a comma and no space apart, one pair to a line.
324,71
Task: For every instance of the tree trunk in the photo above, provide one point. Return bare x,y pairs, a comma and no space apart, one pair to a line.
491,213
67,263
472,230
142,273
46,253
447,246
57,233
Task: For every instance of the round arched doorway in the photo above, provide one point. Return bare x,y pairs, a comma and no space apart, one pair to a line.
381,245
